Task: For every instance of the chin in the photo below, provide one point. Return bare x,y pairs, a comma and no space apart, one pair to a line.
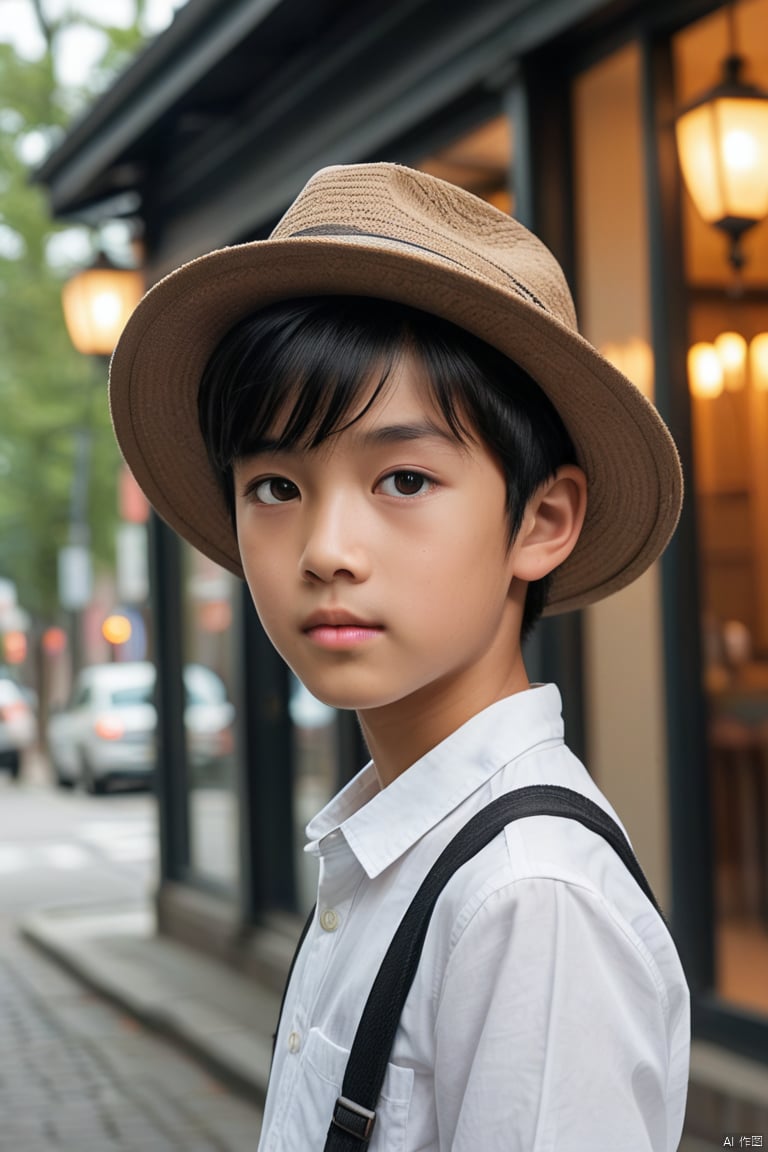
351,701
348,698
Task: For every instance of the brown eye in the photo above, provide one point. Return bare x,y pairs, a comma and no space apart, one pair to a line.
405,484
275,490
408,483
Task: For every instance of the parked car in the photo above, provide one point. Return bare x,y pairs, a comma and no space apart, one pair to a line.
107,731
208,722
17,725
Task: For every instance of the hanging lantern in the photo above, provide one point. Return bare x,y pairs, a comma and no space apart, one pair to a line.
97,304
722,143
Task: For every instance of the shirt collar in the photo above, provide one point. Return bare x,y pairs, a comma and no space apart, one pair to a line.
379,825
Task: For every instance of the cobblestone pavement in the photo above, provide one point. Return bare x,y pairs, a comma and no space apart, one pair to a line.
77,1075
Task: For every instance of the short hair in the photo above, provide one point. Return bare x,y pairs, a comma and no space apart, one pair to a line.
309,360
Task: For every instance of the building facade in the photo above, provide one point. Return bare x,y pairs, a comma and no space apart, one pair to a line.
563,113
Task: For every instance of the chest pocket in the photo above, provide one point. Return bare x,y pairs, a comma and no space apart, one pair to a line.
319,1085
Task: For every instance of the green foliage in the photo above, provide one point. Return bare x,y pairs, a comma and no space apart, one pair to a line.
48,392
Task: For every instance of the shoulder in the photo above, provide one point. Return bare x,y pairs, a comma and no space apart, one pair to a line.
542,879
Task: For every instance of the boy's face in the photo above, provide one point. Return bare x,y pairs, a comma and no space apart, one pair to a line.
378,561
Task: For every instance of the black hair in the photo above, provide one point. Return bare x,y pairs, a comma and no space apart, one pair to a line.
307,361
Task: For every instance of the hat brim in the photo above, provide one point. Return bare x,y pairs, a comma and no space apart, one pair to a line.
632,466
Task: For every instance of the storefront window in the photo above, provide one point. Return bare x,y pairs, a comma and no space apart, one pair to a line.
728,384
315,772
209,715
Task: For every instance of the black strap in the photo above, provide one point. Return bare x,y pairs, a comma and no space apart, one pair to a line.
301,940
355,1110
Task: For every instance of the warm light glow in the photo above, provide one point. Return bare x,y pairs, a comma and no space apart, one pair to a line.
106,309
15,646
698,154
116,629
705,371
758,362
732,350
740,150
214,615
54,641
109,728
634,358
97,304
723,149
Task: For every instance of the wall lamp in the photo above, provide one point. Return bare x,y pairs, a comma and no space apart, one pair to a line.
722,143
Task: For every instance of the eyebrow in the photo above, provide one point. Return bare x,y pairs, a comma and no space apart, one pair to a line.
386,434
397,433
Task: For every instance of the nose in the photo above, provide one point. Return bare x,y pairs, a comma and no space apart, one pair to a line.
333,546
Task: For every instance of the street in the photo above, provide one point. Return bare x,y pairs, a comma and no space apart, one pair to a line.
66,847
76,1073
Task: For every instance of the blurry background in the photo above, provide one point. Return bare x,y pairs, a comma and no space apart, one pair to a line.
128,660
63,498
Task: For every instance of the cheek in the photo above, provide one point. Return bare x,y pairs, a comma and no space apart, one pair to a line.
265,580
454,589
468,557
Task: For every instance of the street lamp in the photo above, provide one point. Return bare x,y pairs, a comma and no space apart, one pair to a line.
97,303
722,142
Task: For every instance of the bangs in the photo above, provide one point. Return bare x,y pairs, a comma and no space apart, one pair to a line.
300,371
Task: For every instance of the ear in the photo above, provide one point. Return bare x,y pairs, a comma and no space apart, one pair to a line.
551,524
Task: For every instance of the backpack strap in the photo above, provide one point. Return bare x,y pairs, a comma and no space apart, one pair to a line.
355,1110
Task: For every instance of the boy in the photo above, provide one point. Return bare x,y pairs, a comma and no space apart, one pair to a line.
384,419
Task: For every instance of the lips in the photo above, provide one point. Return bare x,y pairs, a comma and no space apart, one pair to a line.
336,618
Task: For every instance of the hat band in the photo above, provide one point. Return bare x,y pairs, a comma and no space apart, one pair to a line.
348,230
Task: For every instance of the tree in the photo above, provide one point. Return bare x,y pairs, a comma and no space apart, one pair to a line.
48,392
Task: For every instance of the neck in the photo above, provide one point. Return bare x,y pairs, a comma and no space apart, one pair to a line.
399,734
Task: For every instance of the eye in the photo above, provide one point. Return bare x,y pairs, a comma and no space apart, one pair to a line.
273,490
406,483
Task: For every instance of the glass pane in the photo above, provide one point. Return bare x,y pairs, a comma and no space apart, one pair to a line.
729,414
139,694
209,717
315,757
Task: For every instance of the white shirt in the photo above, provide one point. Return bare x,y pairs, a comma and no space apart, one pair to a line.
549,1012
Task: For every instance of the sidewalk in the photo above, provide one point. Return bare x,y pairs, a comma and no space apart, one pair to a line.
223,1018
79,1075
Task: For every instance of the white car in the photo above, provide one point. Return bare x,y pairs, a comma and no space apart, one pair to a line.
108,727
17,725
107,732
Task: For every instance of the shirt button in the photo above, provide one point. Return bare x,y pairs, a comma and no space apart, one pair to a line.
329,920
294,1042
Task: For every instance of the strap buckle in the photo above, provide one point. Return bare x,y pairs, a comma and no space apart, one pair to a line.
353,1118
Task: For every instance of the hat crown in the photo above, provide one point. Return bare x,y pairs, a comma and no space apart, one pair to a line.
387,202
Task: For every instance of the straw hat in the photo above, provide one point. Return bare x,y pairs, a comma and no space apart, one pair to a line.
386,231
